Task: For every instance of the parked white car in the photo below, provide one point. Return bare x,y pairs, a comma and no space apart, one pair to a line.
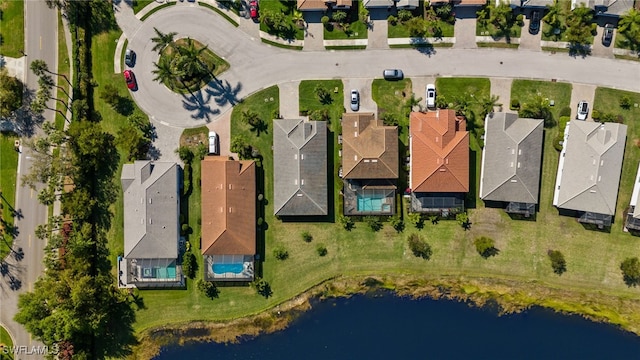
431,96
213,143
583,110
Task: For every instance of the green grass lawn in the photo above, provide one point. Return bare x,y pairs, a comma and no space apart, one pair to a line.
12,28
63,74
357,30
286,8
8,173
488,29
5,340
525,90
402,31
138,5
391,98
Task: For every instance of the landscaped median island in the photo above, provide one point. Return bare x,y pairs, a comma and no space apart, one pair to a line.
492,256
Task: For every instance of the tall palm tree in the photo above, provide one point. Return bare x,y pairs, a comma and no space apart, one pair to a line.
162,40
488,103
39,67
629,26
190,59
164,71
554,12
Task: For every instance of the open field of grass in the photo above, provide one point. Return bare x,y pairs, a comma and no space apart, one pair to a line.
8,173
5,340
12,28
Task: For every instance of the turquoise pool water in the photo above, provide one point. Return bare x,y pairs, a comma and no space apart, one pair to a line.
160,272
372,203
227,268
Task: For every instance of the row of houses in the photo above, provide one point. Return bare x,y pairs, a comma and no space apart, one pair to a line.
439,180
615,8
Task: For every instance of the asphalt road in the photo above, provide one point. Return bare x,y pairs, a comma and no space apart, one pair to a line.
41,42
255,65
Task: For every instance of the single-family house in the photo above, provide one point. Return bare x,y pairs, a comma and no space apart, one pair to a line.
614,8
439,180
378,4
540,4
300,167
589,170
322,5
632,220
407,4
460,2
511,160
151,225
370,165
228,218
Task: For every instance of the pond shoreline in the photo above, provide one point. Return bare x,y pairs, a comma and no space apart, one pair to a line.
505,295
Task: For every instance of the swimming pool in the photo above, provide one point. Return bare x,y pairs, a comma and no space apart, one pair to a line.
227,268
372,203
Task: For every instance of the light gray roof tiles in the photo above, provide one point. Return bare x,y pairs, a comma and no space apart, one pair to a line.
590,166
511,159
151,210
300,167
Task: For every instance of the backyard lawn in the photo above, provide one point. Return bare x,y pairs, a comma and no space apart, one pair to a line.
12,28
8,173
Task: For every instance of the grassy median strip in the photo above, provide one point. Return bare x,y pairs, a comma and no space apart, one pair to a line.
346,47
220,12
283,46
155,9
8,174
12,28
138,5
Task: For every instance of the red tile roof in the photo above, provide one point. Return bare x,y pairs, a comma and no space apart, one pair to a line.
228,206
439,152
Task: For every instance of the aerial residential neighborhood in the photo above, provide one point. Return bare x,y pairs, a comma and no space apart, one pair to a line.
180,171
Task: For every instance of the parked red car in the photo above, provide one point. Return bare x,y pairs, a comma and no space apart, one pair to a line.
253,9
130,79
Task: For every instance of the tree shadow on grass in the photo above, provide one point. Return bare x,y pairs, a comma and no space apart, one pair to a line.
223,92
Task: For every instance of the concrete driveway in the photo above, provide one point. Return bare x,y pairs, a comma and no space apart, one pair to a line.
419,87
366,99
599,49
530,41
582,92
465,28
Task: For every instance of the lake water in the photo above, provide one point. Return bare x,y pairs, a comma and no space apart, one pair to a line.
389,327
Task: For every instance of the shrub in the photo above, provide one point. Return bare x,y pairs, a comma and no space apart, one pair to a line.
346,222
374,222
463,219
520,20
209,289
515,104
392,20
608,117
260,221
185,229
185,154
558,263
389,119
280,253
189,264
485,247
397,223
306,236
339,16
321,249
324,20
625,102
261,287
565,111
416,219
631,271
595,114
419,247
404,15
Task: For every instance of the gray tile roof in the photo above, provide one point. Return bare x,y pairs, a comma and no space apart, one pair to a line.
532,3
589,167
608,7
378,3
511,159
300,167
151,210
635,196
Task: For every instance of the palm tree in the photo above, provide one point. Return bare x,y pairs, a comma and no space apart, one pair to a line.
538,108
298,18
629,26
162,40
39,67
164,71
190,59
488,103
554,12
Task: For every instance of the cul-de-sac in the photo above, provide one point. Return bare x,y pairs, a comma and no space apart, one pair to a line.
198,170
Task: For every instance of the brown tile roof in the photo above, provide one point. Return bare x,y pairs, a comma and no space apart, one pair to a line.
228,206
321,4
439,152
369,148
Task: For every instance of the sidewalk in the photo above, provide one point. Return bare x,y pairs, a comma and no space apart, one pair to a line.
16,67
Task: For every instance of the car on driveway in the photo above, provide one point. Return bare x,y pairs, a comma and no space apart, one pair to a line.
431,96
130,79
583,110
534,22
253,9
355,100
392,74
213,143
607,34
130,58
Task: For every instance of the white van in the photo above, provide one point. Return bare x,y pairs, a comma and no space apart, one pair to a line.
213,143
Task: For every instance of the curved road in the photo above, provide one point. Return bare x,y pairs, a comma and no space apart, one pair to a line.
255,65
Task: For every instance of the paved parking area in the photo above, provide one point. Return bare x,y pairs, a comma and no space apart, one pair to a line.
378,32
502,88
366,100
289,104
223,129
529,41
419,86
598,49
465,28
582,92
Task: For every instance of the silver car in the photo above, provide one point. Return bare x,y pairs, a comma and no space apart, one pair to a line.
583,110
355,100
393,74
130,58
